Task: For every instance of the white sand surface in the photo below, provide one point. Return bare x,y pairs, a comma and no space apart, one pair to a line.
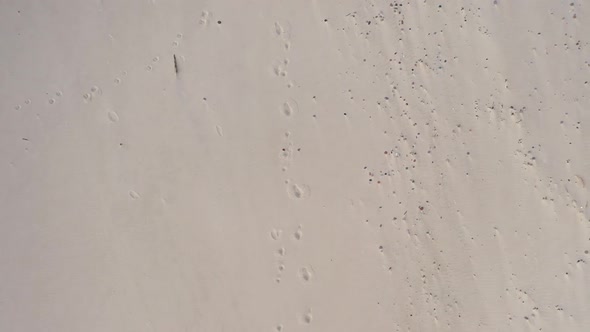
326,165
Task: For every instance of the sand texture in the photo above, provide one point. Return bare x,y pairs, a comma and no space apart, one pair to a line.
283,165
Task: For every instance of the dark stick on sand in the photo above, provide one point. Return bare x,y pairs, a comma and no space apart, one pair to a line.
175,65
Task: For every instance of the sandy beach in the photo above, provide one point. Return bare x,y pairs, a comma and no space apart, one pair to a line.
282,166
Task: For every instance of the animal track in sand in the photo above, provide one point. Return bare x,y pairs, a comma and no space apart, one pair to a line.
275,234
305,274
289,107
298,234
298,191
283,30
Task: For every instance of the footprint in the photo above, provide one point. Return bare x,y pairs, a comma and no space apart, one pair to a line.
283,30
580,181
298,191
286,154
305,274
275,234
289,107
204,20
307,317
279,29
298,234
96,91
279,70
113,116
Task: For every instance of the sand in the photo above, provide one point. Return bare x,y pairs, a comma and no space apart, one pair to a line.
294,165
